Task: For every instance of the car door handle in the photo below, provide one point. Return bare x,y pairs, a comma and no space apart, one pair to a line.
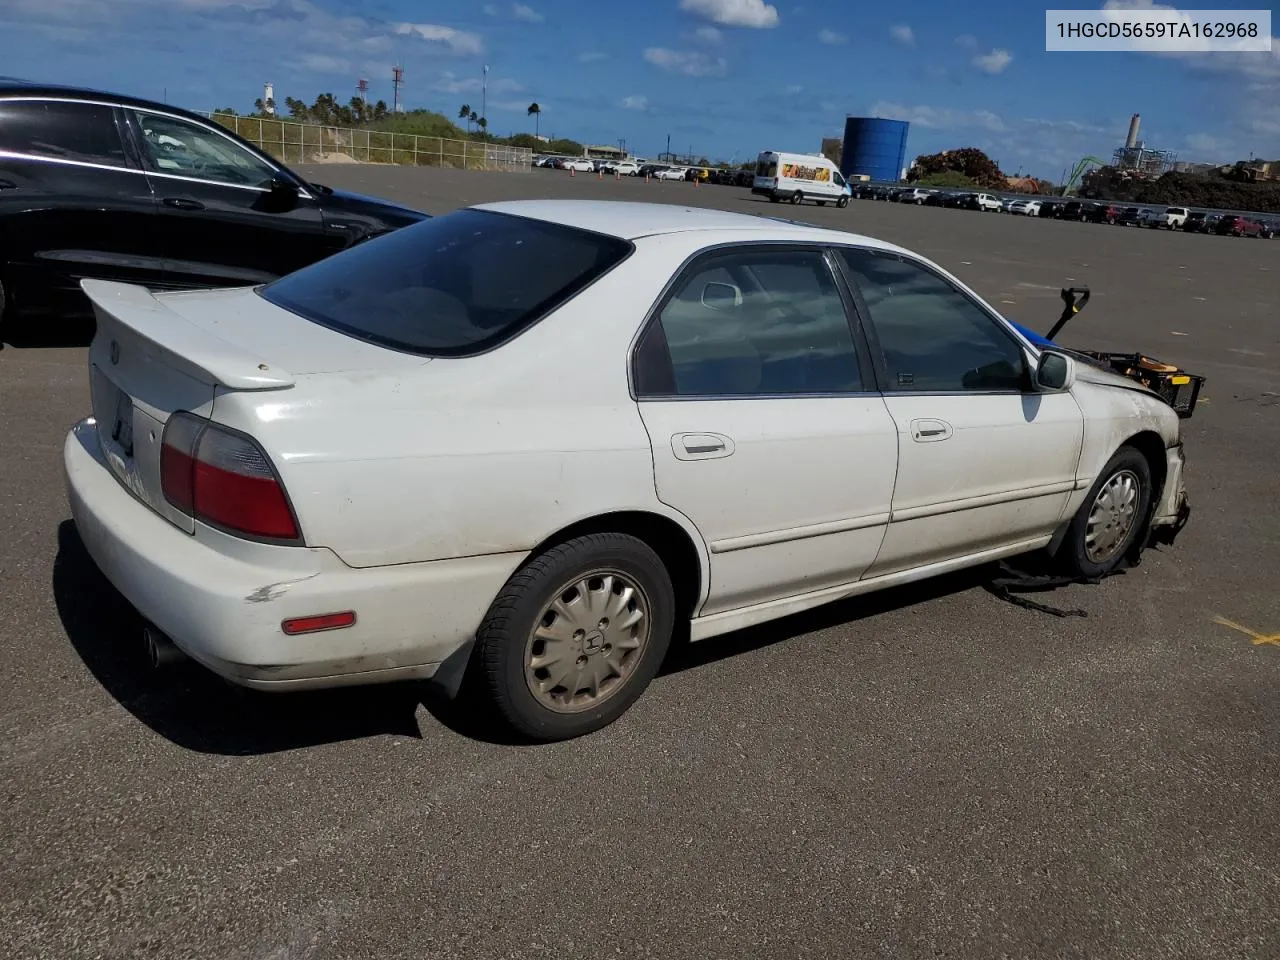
701,446
930,431
182,203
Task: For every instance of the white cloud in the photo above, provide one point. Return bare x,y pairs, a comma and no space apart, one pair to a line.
734,13
993,62
525,13
689,63
708,35
795,88
445,38
939,118
903,34
451,83
323,63
592,56
831,37
967,40
1205,147
635,102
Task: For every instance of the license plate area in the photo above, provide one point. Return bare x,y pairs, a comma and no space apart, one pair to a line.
122,424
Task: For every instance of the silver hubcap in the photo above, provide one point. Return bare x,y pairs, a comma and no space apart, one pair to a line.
587,641
1112,516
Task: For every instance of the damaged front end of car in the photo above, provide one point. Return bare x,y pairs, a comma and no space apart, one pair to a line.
1177,387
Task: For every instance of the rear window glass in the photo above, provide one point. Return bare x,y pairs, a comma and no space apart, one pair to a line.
451,285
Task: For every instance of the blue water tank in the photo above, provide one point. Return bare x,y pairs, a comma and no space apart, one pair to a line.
873,147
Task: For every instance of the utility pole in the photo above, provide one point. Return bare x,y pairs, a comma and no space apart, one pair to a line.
484,100
668,146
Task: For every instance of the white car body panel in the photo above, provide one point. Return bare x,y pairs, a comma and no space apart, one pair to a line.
1001,473
421,485
826,529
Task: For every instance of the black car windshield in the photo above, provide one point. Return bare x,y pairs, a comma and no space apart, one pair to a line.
451,285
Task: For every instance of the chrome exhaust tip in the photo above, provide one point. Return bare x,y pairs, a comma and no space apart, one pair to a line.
161,651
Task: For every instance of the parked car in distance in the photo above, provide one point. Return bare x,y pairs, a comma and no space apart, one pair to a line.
1236,226
1025,208
1105,213
1130,217
626,168
1198,221
98,185
670,173
986,203
538,436
578,164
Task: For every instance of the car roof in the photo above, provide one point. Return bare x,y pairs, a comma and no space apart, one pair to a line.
630,220
14,86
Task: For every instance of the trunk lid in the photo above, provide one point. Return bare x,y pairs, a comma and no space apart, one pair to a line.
154,354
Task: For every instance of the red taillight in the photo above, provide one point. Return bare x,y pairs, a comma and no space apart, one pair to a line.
315,624
223,479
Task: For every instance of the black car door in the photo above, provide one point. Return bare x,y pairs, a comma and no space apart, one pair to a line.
73,202
228,216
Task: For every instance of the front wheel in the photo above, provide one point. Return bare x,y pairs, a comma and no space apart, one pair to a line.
1112,516
576,635
797,197
842,202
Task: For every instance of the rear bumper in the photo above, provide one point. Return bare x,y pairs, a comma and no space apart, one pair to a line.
224,607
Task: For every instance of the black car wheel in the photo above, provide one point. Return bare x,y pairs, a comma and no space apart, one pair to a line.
842,202
576,636
1112,517
797,197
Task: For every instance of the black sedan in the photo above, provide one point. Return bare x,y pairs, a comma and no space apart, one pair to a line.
115,188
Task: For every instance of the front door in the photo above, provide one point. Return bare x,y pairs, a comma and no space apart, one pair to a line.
985,461
222,221
752,384
72,202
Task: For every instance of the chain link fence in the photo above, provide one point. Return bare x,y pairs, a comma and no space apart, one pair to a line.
292,142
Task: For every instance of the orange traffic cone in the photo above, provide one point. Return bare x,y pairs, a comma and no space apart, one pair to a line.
617,175
599,174
573,171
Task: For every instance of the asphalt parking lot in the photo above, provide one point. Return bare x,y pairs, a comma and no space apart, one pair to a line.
926,772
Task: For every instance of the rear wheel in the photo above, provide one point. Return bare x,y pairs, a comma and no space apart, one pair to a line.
797,197
576,636
1112,516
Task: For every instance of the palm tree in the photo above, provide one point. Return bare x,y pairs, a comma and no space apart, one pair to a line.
467,114
535,111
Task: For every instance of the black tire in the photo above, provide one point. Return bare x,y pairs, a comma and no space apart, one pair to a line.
842,202
504,637
1073,552
797,197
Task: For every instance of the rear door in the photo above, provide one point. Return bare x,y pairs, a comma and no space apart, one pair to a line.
220,218
765,427
985,462
73,202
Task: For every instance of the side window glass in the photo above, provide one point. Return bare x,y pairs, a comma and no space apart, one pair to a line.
760,323
176,146
62,130
933,337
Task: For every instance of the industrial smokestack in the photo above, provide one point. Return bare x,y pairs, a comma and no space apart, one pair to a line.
1132,141
268,97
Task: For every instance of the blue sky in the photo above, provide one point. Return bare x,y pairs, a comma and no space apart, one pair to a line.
727,78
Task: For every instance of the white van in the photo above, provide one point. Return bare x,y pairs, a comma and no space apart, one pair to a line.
799,176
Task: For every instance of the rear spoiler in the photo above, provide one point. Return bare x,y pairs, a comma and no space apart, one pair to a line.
182,345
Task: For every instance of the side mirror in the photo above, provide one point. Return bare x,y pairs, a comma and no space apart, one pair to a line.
280,184
1055,371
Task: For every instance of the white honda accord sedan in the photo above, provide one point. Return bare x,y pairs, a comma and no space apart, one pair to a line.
538,437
